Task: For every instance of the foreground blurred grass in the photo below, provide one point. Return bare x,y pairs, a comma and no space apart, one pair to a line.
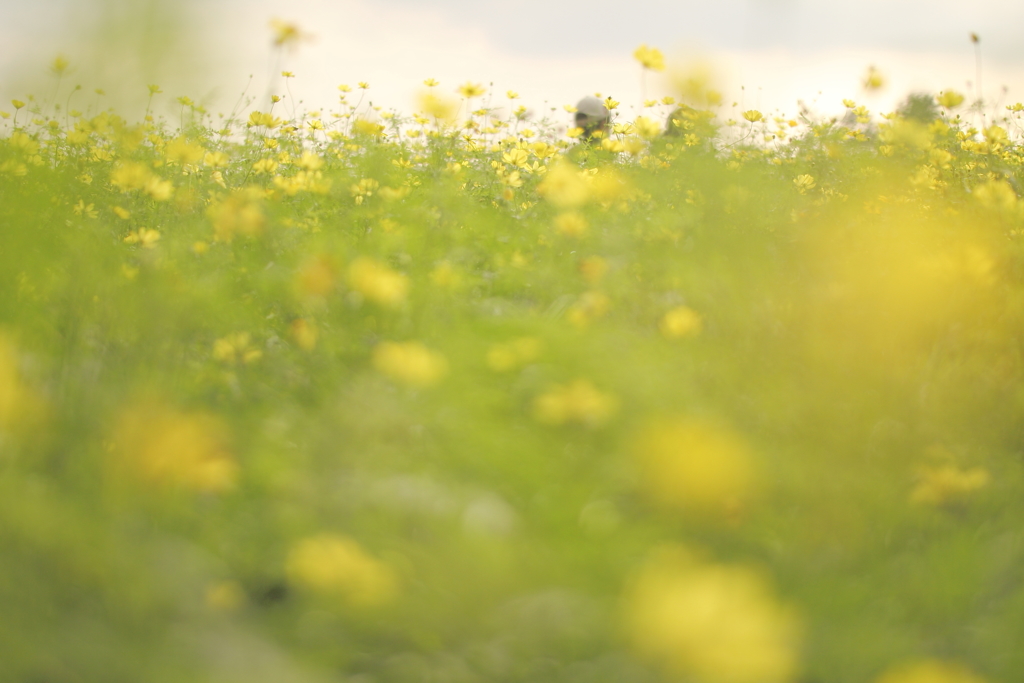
322,398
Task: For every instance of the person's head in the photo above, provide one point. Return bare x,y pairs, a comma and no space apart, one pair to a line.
593,117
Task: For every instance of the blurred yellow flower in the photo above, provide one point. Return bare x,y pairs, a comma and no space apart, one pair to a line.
514,354
235,348
681,321
469,90
753,115
949,99
571,223
332,565
943,484
710,622
144,237
304,333
874,79
694,466
181,151
240,213
316,277
564,186
804,183
437,106
410,363
930,671
577,402
650,58
377,282
168,448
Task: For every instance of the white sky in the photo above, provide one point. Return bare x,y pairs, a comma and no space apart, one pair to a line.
779,51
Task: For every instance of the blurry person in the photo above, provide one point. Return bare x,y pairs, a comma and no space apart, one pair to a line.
593,118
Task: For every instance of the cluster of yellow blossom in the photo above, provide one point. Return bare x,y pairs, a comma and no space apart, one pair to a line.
710,622
410,363
377,282
333,565
694,466
164,447
578,402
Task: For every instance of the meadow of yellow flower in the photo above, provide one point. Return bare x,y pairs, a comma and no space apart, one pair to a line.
356,395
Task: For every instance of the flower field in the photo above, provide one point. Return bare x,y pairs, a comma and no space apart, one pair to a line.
360,396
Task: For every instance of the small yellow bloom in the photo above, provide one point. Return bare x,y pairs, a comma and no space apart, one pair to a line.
514,354
930,671
410,363
235,348
948,484
240,213
377,282
753,115
304,333
804,183
680,322
694,466
167,448
571,224
317,277
577,402
564,186
874,79
949,99
650,58
469,90
710,622
328,564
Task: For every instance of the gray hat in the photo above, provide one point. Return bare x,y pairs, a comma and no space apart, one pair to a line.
592,108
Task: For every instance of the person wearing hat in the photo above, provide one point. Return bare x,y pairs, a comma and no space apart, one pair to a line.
593,118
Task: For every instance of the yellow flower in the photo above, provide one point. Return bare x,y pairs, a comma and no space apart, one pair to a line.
128,176
440,107
285,33
181,151
680,322
430,83
304,333
167,448
579,402
710,622
694,466
589,307
753,115
258,118
514,354
410,363
240,213
12,389
59,65
235,348
804,183
144,237
647,128
948,484
650,58
930,671
564,186
333,565
571,224
469,90
949,99
316,277
874,79
377,282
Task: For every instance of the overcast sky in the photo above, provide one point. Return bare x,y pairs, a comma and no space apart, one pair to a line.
779,51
